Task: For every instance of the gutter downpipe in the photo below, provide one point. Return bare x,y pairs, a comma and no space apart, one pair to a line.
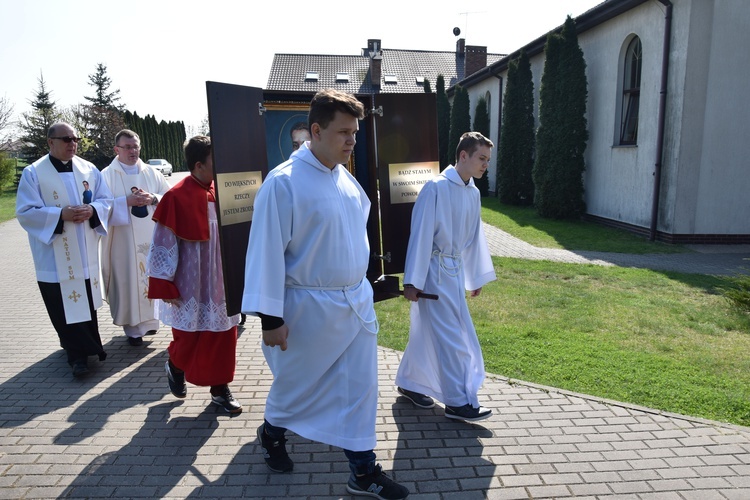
661,118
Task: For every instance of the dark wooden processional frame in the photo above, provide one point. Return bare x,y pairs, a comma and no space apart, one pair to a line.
395,154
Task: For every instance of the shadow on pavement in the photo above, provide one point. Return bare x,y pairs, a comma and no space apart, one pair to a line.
432,450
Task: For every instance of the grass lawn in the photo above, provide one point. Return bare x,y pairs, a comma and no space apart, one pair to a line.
7,205
668,341
663,340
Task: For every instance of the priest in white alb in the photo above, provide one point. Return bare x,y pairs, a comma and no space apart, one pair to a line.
137,188
63,204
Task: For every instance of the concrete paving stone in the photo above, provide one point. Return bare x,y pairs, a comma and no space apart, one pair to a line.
736,494
521,480
552,491
709,483
657,453
573,438
507,494
574,467
593,489
743,470
703,495
661,495
630,487
670,485
561,478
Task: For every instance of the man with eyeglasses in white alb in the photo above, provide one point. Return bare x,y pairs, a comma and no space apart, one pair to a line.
64,237
137,188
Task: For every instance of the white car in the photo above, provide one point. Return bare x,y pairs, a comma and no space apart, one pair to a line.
162,166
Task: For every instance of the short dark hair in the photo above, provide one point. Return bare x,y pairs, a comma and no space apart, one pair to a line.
470,142
298,126
126,133
325,103
197,149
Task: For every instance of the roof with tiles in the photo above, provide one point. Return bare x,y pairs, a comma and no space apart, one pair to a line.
402,71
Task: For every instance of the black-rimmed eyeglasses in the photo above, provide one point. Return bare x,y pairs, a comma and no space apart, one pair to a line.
68,139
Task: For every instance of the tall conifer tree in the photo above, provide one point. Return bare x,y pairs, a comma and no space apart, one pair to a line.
482,125
36,123
102,117
515,158
562,135
460,119
444,123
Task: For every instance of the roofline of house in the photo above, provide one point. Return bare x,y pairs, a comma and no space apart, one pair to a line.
589,19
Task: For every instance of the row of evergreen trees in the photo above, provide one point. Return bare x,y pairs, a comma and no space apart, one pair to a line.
541,167
159,140
97,122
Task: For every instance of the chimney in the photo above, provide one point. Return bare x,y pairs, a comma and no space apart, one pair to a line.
375,53
460,46
476,59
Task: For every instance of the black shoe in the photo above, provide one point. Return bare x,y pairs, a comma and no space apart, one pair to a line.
177,385
467,413
376,485
227,401
135,341
243,318
80,368
151,332
418,399
274,452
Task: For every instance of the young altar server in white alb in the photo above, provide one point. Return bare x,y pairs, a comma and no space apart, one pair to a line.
447,255
137,188
64,232
307,258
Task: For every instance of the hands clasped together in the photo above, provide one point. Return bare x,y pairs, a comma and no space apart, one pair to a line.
77,213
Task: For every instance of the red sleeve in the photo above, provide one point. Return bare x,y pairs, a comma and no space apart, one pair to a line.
162,289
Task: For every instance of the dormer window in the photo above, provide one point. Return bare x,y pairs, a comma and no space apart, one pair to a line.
420,80
342,77
312,76
392,79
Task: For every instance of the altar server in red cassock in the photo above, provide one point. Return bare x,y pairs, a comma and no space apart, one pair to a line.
185,271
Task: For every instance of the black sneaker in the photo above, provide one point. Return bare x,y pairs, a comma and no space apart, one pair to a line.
376,485
135,341
274,452
177,385
227,401
467,413
151,332
418,399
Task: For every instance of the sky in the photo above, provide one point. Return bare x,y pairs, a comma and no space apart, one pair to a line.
160,53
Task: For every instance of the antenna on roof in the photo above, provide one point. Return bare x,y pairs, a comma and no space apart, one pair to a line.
466,21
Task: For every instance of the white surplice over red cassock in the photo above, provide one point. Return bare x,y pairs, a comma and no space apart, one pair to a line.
185,263
306,262
447,255
126,246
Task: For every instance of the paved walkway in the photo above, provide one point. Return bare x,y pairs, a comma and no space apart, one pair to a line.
120,434
705,259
